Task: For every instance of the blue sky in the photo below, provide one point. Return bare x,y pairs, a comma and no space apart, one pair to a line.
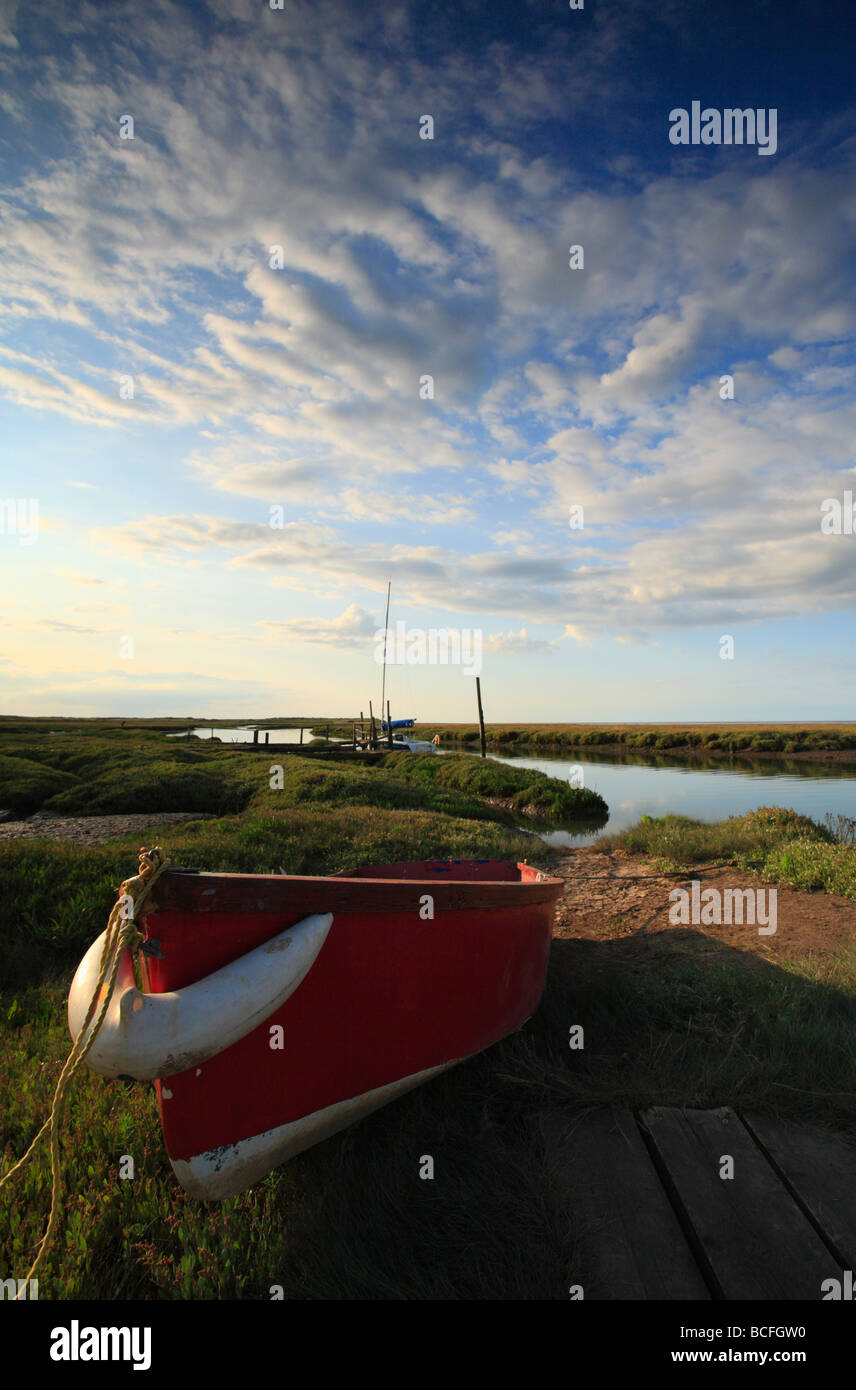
297,387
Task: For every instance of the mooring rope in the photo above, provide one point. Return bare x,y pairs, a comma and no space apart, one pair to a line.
121,934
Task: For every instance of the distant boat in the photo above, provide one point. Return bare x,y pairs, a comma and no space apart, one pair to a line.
279,1009
415,745
404,740
400,741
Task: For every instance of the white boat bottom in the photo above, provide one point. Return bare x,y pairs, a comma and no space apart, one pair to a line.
222,1172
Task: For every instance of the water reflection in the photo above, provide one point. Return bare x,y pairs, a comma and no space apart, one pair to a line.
244,734
634,784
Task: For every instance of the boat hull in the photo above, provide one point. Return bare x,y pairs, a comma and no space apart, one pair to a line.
424,965
222,1172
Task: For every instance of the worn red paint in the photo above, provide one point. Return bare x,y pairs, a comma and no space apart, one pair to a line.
389,995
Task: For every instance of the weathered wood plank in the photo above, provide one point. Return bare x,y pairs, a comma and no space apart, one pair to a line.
756,1241
821,1169
634,1245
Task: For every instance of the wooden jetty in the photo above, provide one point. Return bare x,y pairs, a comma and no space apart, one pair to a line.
705,1204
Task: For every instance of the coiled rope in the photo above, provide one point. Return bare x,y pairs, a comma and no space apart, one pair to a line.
121,934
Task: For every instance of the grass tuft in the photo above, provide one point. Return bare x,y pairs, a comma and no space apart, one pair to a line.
773,841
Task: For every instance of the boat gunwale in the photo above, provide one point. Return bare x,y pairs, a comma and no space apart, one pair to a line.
182,890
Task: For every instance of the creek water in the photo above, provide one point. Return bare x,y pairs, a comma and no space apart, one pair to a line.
244,734
633,785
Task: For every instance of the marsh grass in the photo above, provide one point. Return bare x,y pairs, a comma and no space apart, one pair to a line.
115,771
715,739
775,842
681,1020
552,798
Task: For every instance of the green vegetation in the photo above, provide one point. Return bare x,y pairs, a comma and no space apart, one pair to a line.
108,772
721,739
113,771
670,1018
545,798
779,844
678,1019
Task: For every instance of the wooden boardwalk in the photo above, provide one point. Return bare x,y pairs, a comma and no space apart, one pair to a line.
700,1204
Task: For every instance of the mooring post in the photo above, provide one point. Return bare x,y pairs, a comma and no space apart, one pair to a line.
255,736
388,724
481,717
301,733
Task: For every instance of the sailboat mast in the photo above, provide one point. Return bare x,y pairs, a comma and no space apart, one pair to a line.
385,648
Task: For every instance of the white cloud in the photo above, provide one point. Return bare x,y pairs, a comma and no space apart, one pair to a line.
353,628
8,11
516,643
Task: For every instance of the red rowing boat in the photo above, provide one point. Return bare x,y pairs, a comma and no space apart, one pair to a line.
280,1009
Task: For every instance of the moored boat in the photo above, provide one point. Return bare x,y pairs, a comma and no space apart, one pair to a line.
403,739
405,742
278,1009
400,739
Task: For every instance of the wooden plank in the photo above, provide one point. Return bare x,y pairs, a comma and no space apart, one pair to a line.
820,1167
633,1243
756,1241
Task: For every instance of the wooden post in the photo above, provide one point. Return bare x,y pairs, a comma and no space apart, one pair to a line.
255,737
301,733
372,733
481,716
388,724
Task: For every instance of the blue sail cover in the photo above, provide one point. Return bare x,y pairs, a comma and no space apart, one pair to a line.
398,724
